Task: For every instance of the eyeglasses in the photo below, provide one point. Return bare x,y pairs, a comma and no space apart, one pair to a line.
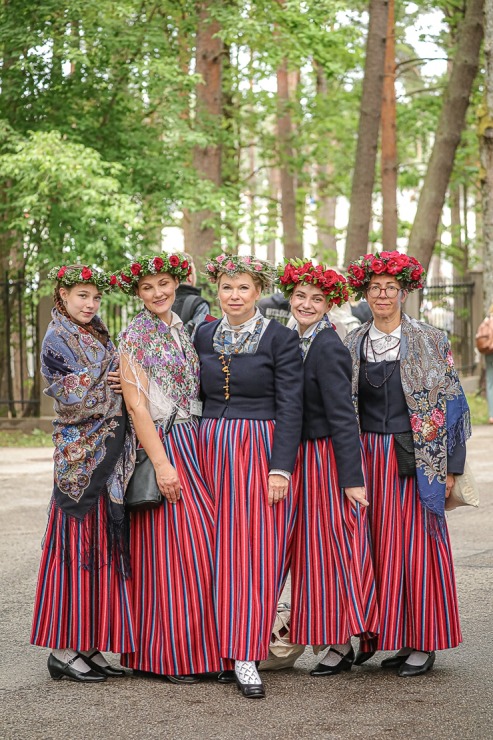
390,291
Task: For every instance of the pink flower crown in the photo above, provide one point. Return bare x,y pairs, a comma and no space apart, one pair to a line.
233,264
407,270
175,264
303,272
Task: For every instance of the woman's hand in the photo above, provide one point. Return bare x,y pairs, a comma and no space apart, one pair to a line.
449,484
168,482
278,488
357,495
114,381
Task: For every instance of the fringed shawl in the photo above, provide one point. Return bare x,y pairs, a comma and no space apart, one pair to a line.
94,447
437,406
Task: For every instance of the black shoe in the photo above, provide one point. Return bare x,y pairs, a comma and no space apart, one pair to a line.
407,670
181,679
251,690
60,670
390,664
362,657
345,664
103,670
226,677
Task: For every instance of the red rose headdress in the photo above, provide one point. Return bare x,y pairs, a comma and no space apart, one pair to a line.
233,264
298,271
407,270
70,275
175,264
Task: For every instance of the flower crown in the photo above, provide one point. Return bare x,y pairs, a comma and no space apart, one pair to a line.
174,264
233,264
298,271
407,270
70,275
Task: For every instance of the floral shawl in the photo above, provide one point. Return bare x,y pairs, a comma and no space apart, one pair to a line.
437,406
172,373
94,449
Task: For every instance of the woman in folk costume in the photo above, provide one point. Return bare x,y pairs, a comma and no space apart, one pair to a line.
332,583
251,379
170,546
83,599
415,421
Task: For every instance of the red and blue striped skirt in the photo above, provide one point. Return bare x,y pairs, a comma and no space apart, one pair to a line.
82,599
332,583
171,556
414,570
252,539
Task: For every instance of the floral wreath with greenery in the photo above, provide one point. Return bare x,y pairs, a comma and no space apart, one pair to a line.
407,270
175,264
297,271
70,275
234,264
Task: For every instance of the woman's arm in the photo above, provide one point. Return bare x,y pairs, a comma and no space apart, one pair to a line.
136,403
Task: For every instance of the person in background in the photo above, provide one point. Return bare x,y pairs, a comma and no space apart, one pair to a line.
189,304
415,421
252,387
83,600
171,545
275,306
332,585
489,378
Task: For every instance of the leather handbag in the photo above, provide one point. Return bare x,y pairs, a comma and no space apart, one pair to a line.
465,491
143,491
484,336
404,452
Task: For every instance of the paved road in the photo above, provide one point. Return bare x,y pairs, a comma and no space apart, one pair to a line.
454,701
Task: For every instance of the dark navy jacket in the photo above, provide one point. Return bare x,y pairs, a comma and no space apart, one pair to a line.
328,410
264,385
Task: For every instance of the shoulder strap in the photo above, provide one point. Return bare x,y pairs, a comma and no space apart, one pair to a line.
190,305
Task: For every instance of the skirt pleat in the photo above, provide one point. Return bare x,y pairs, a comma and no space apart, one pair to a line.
332,583
82,598
253,540
414,570
171,555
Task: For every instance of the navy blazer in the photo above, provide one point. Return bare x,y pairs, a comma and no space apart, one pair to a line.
264,385
328,410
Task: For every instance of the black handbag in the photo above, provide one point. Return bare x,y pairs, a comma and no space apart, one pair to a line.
404,452
143,491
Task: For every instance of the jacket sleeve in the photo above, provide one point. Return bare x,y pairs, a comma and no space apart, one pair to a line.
288,380
333,371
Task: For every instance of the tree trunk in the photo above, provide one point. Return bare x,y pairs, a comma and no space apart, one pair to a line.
360,208
486,152
389,140
451,123
291,237
326,202
208,110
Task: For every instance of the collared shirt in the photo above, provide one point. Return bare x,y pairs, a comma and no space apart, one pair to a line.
246,328
383,346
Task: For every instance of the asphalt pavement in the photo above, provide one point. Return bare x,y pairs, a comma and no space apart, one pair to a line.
453,701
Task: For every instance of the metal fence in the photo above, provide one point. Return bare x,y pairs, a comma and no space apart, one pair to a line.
19,346
448,306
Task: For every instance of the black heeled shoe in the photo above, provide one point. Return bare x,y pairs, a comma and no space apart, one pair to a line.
103,670
182,679
251,690
408,671
390,664
59,670
226,677
362,657
345,664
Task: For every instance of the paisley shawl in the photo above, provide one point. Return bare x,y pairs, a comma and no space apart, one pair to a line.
172,373
436,403
94,447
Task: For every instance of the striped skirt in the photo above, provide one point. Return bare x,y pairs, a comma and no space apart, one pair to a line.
171,556
78,606
252,539
414,571
332,583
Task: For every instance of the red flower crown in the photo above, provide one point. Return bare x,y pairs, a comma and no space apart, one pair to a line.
298,271
70,275
407,270
175,264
